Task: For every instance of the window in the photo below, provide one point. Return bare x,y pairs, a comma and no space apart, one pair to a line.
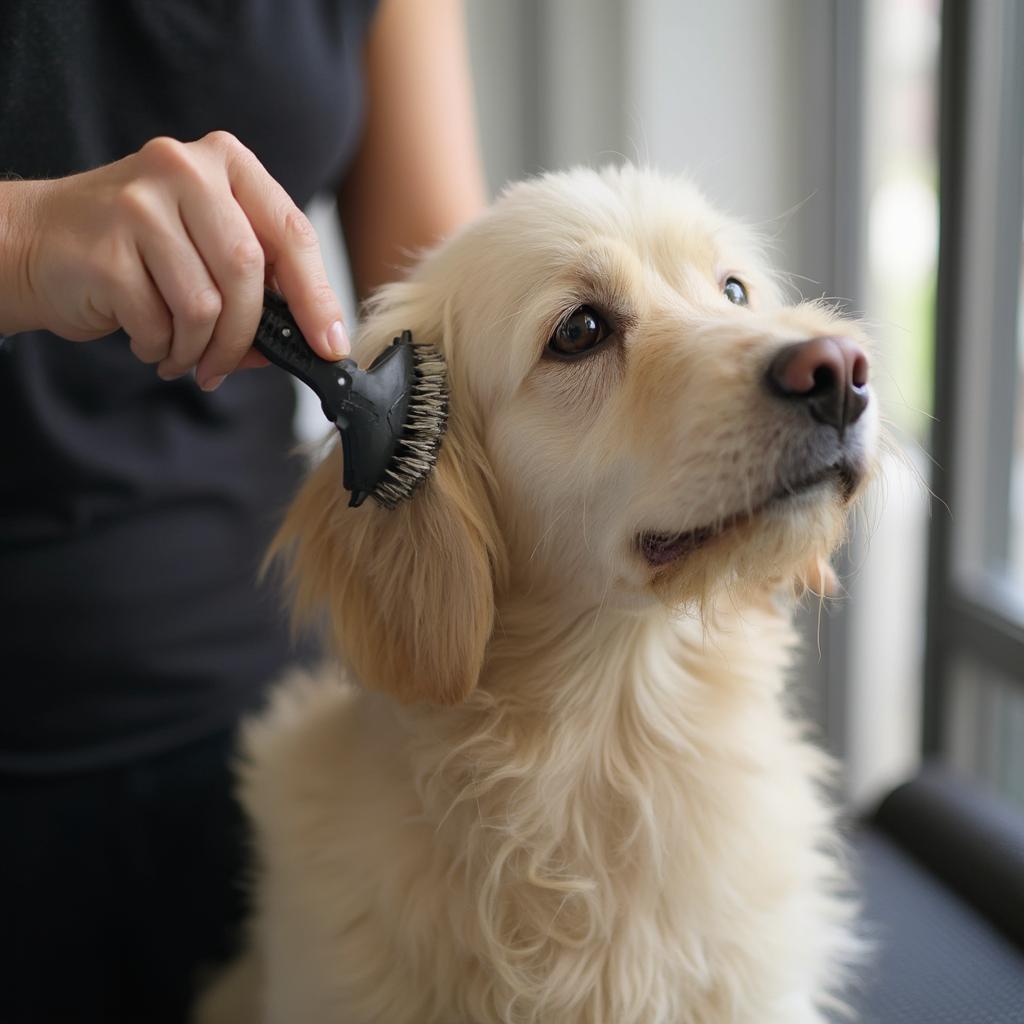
880,682
974,696
901,154
1016,550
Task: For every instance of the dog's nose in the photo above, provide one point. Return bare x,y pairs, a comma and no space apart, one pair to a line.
829,375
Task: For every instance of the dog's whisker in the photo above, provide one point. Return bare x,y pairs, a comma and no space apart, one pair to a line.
817,631
583,520
547,532
600,606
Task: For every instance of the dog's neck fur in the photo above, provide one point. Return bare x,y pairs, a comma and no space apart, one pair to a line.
566,815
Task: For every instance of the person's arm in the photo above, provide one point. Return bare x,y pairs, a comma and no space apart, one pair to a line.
16,198
417,175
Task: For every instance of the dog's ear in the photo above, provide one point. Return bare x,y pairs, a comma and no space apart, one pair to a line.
409,593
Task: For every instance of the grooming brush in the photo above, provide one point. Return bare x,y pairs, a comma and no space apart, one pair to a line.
391,416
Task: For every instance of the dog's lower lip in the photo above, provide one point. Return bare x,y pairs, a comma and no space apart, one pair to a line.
661,548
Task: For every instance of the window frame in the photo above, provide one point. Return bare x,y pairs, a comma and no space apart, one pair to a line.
973,610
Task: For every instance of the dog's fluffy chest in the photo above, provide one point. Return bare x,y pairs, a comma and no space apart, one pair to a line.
618,832
632,842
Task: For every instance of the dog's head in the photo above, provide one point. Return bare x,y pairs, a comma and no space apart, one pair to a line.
636,417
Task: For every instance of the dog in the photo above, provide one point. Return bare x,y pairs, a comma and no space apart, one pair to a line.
557,779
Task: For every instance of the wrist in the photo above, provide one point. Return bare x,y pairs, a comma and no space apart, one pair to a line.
19,202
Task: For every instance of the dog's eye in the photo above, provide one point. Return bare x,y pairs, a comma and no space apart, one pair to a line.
578,333
735,291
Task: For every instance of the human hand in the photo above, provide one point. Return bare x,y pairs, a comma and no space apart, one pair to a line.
173,244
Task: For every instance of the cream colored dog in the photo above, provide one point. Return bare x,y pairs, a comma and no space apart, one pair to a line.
557,781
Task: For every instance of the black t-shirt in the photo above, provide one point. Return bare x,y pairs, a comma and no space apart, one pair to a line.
134,512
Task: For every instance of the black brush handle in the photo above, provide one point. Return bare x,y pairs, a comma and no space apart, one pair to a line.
280,340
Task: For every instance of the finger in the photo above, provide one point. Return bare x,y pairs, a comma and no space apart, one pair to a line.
233,256
142,314
253,360
291,247
188,290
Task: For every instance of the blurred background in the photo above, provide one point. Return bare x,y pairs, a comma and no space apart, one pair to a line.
819,121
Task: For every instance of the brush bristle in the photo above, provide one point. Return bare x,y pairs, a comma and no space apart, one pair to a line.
424,428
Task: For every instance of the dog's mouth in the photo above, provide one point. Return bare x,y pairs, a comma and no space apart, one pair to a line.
659,549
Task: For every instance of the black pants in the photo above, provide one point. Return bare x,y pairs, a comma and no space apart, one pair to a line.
119,889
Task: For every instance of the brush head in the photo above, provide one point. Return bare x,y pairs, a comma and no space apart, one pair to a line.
393,421
391,416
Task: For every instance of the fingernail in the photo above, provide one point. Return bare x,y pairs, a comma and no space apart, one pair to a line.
338,339
212,383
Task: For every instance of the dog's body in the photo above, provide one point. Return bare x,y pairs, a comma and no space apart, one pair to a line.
589,802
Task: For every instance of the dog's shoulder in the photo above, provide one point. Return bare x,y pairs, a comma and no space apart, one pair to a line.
295,737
